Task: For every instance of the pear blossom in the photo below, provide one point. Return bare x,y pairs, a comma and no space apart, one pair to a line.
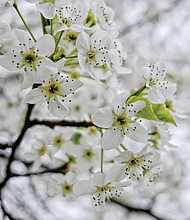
54,90
101,187
120,121
31,56
65,183
70,16
92,51
135,165
101,14
40,154
159,89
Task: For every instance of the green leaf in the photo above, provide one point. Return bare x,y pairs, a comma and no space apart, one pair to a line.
147,112
163,114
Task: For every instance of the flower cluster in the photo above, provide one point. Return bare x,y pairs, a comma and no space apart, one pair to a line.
74,68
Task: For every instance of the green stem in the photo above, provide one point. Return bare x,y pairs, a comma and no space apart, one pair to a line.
51,26
58,40
71,57
102,161
123,146
139,91
24,22
43,24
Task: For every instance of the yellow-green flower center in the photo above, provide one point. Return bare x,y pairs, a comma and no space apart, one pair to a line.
67,188
58,140
42,150
104,188
52,89
30,58
121,120
88,154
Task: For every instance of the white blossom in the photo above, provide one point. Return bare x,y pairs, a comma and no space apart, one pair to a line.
159,89
30,56
92,51
101,187
120,121
54,90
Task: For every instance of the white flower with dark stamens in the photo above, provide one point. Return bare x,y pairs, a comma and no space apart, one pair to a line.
150,176
135,165
120,121
101,187
92,51
71,15
54,91
155,75
104,15
32,57
46,7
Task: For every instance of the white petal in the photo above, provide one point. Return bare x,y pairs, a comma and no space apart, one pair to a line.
45,45
23,39
103,118
168,90
84,187
82,61
141,62
47,9
89,68
134,108
58,109
137,132
34,96
155,96
116,172
98,179
70,86
119,102
112,138
9,61
29,79
32,1
60,64
78,27
83,42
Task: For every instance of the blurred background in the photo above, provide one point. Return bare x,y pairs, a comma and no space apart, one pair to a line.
157,30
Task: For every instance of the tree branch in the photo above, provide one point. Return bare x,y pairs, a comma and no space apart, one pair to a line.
134,209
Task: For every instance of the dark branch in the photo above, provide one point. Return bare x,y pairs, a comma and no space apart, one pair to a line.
134,209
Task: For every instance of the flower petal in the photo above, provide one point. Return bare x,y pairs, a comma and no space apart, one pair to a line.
119,102
112,138
83,42
103,118
70,86
58,109
45,45
25,41
84,187
134,108
47,9
35,96
11,61
137,132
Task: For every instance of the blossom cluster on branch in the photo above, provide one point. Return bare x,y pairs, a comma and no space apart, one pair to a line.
77,69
